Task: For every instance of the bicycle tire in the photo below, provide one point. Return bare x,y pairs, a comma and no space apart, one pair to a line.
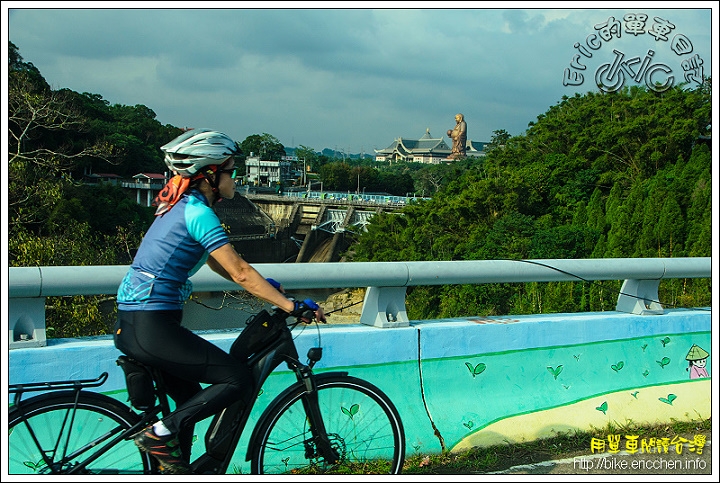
60,432
363,424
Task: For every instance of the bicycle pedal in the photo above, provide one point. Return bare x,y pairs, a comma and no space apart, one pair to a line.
164,471
132,436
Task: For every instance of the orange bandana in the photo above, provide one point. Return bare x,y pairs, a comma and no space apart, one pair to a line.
177,185
170,194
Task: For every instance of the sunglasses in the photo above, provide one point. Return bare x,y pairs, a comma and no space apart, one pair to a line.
232,171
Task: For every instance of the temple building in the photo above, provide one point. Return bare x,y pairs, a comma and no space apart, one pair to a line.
427,149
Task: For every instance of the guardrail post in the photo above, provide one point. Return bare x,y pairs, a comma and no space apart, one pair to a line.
384,307
26,323
639,297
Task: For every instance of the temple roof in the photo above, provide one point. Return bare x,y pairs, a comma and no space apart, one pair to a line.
425,145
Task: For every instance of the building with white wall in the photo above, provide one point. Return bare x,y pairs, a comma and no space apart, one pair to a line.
266,173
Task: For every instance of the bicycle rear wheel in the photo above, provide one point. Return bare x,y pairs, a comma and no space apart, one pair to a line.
51,434
361,422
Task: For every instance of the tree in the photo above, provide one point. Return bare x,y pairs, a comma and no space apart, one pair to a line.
264,145
42,148
499,138
598,175
54,219
17,66
307,155
336,176
429,181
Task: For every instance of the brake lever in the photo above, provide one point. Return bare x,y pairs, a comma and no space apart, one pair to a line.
307,316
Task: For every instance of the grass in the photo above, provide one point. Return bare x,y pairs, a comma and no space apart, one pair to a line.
501,457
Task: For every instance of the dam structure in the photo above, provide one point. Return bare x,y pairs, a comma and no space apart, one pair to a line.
266,228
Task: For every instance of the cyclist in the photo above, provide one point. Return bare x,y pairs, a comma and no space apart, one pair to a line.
185,234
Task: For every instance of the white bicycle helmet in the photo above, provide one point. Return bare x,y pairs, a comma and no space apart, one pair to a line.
193,150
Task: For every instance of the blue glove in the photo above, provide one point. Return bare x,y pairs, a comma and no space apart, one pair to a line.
301,309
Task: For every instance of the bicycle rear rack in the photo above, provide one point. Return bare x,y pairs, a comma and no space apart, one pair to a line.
19,389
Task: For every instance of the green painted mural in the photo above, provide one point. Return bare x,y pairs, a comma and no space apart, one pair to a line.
522,395
467,382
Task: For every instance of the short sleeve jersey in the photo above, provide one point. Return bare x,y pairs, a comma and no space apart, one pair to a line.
175,246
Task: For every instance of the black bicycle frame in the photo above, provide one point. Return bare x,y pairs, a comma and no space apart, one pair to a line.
227,426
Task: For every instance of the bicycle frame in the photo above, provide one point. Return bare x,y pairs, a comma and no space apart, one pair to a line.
226,427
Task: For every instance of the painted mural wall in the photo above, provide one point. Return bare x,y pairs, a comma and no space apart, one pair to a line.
467,382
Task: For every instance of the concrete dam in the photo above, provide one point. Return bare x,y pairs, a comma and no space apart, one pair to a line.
278,229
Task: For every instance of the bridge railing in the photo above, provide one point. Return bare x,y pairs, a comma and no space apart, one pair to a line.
337,198
386,282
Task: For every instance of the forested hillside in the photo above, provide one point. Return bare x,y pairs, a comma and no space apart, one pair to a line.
55,136
598,175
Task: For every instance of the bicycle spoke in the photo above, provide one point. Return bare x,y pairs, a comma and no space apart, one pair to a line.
362,428
72,437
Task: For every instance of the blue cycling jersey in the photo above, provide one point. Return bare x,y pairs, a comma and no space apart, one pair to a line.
173,249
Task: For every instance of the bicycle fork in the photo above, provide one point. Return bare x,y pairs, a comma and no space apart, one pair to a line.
322,445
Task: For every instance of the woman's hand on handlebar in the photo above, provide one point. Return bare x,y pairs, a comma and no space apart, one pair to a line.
320,315
307,310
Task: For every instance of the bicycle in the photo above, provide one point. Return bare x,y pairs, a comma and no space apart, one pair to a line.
327,422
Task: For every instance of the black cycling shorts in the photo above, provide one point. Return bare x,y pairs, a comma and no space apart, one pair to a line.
156,338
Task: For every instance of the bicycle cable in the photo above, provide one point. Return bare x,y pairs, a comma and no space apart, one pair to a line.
343,307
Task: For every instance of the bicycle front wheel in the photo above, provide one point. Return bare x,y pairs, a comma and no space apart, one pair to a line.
362,424
53,434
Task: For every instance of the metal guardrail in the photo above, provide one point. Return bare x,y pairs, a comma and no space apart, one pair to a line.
386,283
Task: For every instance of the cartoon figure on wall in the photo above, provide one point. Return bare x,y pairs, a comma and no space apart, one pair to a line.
697,359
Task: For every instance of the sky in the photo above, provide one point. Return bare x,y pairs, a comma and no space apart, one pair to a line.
350,79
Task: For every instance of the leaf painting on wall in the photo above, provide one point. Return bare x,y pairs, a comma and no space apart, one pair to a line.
556,371
603,407
476,370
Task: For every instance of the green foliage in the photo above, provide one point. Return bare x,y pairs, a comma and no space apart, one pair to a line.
356,176
19,69
597,176
55,137
130,134
79,316
264,145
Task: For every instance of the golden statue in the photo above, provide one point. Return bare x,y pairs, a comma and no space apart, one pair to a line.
459,137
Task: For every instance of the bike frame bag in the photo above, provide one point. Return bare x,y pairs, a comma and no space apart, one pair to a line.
261,330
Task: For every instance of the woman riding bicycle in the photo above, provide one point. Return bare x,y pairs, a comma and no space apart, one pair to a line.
186,234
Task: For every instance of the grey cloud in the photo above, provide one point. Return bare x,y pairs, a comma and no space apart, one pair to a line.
322,77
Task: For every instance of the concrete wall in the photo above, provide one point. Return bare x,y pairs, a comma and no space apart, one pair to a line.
479,381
